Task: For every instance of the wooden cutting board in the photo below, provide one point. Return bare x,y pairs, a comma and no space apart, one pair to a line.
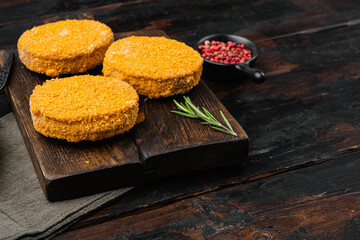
163,144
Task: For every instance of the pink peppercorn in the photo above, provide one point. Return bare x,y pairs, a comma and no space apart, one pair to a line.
221,52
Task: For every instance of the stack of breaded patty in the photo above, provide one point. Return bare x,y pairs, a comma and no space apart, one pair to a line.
93,107
65,47
154,66
83,108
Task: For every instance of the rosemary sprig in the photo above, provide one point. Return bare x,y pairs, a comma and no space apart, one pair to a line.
191,111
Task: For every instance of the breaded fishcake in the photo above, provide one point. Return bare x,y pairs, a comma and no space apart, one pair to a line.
154,66
83,108
65,47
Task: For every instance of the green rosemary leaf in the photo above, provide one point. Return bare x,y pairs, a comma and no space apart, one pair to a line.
194,108
180,107
226,121
221,130
183,105
185,114
188,107
209,115
191,111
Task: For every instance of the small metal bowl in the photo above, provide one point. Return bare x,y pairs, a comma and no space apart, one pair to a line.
233,71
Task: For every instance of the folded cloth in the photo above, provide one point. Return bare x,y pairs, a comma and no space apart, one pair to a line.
24,211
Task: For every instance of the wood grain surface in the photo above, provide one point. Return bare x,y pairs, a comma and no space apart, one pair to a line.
303,123
163,144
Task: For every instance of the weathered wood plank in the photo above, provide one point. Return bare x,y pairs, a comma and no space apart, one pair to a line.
261,20
55,159
317,202
17,10
163,144
306,116
309,113
257,20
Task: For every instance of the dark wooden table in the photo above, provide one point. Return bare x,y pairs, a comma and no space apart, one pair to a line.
303,181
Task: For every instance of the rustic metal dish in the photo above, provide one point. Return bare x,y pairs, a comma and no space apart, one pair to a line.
233,71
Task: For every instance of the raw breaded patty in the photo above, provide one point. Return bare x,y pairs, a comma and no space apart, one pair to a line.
65,47
83,108
154,66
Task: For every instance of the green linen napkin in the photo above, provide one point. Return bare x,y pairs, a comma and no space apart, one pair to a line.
24,211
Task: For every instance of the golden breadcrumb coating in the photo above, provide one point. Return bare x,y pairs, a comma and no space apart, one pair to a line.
83,107
65,47
154,66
